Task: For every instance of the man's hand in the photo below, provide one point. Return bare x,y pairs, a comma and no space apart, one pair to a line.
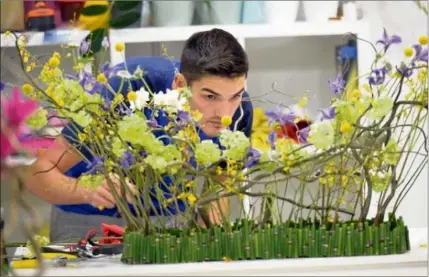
102,197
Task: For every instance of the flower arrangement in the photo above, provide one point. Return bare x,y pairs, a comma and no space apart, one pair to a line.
363,144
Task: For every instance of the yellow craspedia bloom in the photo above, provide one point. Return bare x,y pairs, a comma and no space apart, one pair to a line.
408,51
132,96
226,120
101,78
120,46
345,127
423,40
54,62
27,89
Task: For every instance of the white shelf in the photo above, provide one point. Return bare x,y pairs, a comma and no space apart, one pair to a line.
297,29
181,33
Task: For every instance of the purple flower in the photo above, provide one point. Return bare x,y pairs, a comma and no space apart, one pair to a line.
184,117
89,83
337,86
328,113
303,134
96,165
2,85
252,158
105,43
125,110
421,54
387,41
143,154
406,71
280,115
152,122
84,47
108,70
272,139
127,159
377,76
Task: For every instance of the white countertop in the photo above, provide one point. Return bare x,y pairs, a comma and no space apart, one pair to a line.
412,263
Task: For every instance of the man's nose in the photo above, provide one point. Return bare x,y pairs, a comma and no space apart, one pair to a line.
224,108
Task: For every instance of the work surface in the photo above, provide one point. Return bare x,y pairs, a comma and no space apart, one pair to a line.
413,263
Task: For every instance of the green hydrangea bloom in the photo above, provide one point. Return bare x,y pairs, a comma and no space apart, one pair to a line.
207,153
38,119
321,135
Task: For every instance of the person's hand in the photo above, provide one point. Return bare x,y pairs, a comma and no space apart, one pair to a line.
102,197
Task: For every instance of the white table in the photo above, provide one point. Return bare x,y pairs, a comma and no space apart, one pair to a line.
413,263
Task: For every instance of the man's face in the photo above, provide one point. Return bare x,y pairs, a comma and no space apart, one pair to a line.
215,97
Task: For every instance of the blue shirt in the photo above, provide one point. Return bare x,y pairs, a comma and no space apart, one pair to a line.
159,74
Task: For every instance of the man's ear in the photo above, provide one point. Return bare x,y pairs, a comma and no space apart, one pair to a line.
179,81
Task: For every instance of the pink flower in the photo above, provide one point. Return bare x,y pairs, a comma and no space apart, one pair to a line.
14,113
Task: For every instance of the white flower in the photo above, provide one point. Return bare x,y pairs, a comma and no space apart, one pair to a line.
142,97
172,100
138,73
124,74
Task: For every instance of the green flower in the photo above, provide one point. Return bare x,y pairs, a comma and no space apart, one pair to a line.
379,180
91,181
321,135
132,129
380,107
236,144
392,153
207,153
38,119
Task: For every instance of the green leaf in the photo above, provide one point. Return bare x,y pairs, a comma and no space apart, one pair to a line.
125,5
94,10
96,39
125,20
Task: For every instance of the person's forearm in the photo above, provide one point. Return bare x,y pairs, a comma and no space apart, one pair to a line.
47,182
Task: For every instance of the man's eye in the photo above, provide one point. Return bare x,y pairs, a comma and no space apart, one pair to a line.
210,97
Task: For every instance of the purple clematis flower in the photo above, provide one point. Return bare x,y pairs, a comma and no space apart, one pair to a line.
127,159
252,158
377,76
303,134
89,83
337,85
272,139
280,116
389,40
406,71
421,54
184,118
2,85
328,113
96,165
108,70
84,47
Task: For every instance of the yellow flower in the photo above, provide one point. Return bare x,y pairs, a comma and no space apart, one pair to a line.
408,51
56,55
303,102
132,96
354,95
27,89
101,78
344,180
196,115
120,46
345,127
192,199
226,120
423,40
54,62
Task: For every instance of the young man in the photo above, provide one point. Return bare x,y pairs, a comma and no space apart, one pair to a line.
213,64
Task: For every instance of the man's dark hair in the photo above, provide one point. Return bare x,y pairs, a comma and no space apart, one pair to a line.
215,52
